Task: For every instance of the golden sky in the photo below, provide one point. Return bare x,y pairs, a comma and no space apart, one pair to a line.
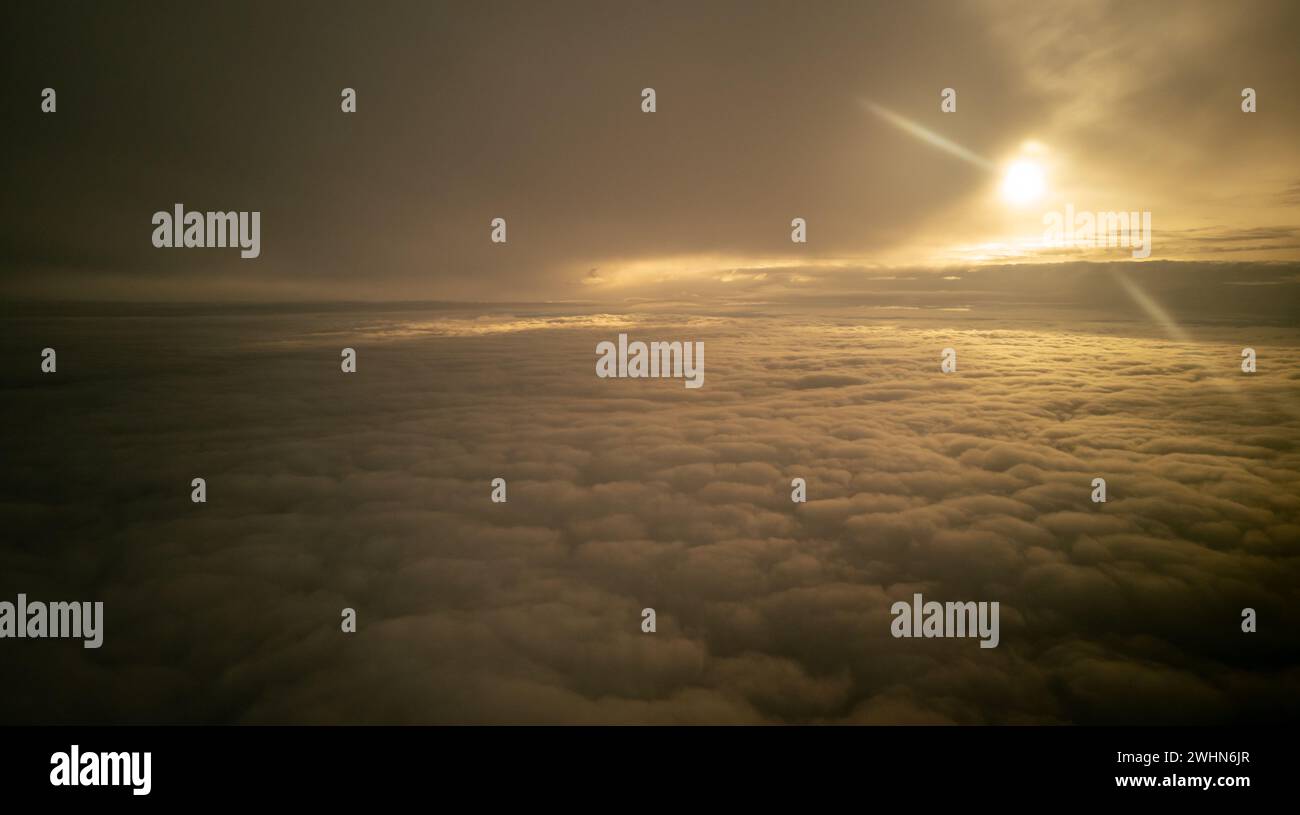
765,112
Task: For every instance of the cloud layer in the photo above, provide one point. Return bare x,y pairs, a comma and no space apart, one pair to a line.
371,491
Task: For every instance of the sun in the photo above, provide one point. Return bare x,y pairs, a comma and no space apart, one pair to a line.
1023,183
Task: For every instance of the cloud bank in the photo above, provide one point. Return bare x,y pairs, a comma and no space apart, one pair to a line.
371,491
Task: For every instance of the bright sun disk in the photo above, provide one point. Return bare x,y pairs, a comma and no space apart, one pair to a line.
1023,183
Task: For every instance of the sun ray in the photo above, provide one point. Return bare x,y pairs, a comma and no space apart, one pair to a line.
927,135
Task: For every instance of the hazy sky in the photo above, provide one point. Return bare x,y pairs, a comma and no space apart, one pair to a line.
472,111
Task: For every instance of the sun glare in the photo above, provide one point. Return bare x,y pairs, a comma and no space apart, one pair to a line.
1023,183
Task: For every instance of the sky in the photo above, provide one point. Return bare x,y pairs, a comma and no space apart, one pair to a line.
765,112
